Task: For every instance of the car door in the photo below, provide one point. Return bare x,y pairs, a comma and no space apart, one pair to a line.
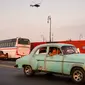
54,63
40,56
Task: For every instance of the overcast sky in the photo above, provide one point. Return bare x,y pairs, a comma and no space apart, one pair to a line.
18,19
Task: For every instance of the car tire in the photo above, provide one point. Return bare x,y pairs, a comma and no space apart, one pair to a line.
28,70
78,75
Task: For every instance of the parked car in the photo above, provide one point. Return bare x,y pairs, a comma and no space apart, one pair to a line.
2,55
68,61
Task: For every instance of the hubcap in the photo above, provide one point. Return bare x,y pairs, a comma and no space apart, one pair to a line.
78,75
27,70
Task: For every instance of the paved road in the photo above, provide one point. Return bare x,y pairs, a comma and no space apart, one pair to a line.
12,76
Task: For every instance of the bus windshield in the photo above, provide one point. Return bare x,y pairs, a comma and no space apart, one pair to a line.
23,41
69,50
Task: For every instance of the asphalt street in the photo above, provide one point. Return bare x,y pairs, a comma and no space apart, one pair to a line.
13,76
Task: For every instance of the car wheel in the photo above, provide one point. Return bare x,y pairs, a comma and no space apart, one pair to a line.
28,71
78,75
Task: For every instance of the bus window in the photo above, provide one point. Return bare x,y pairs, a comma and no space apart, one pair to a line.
23,41
12,44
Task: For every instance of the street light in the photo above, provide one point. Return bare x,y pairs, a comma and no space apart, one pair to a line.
80,36
42,37
49,21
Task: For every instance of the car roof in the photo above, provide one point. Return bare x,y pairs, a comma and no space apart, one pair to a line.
59,45
55,44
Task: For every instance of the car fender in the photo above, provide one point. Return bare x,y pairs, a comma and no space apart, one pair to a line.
81,65
33,63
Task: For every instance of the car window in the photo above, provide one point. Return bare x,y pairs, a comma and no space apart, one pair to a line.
41,50
69,50
54,51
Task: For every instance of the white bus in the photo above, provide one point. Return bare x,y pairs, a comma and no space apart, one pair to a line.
15,47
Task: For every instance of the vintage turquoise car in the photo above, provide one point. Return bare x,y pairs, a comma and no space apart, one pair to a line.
68,61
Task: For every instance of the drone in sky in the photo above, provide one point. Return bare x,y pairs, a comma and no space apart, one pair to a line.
36,4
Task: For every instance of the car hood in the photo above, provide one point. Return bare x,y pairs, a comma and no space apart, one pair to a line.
23,59
75,58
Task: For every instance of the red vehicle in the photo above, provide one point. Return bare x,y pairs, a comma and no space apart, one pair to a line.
34,44
80,44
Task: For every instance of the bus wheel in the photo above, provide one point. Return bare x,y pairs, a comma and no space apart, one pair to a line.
28,70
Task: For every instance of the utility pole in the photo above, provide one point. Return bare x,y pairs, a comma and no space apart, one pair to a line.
52,37
49,21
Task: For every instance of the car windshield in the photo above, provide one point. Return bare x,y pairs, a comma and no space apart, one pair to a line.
69,50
